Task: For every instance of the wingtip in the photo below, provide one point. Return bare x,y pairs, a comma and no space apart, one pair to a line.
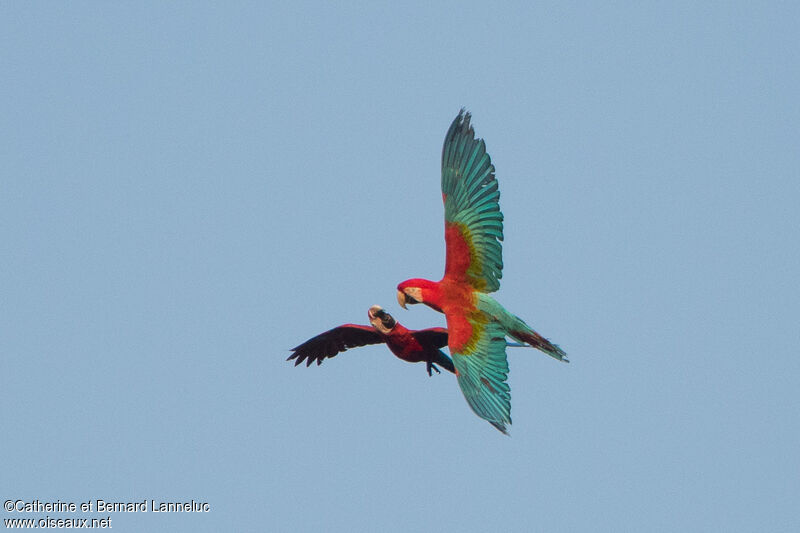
463,119
501,427
466,118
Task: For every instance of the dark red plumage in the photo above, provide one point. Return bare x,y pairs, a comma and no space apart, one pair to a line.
414,346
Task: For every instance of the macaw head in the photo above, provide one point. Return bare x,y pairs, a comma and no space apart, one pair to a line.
381,320
410,292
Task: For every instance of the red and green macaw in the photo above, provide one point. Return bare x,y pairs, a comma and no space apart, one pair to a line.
414,346
477,324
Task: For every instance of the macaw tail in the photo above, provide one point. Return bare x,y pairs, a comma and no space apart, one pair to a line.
445,362
540,343
517,329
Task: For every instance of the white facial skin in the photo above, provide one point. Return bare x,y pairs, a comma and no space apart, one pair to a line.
413,292
377,322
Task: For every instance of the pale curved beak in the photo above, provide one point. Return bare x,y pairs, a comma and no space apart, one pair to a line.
401,299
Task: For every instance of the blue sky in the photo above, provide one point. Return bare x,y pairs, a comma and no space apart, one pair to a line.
189,190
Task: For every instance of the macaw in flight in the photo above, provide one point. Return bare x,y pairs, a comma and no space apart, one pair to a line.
409,345
477,324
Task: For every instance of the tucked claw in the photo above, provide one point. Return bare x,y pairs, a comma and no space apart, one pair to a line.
432,366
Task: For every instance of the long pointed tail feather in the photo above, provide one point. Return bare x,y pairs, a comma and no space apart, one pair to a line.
517,329
540,343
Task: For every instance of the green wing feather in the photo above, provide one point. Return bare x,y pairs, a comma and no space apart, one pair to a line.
471,207
482,374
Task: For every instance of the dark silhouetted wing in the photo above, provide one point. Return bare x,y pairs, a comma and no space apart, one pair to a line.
333,341
436,337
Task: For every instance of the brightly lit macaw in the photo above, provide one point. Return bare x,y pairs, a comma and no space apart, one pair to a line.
414,346
476,323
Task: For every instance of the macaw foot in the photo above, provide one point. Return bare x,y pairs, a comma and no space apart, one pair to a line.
432,366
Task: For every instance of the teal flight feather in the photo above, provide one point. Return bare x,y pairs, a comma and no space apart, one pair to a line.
472,203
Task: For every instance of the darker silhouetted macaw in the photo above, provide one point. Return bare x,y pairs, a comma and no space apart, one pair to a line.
414,346
476,323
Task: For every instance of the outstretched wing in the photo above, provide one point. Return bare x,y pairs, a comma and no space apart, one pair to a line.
473,225
333,341
436,337
482,369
